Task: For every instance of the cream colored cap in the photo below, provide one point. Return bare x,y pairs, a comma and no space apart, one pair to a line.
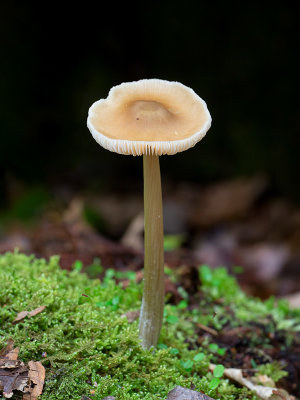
150,116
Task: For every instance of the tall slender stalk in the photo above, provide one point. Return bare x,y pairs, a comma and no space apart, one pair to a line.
153,299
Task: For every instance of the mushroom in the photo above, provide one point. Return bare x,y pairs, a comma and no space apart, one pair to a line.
150,117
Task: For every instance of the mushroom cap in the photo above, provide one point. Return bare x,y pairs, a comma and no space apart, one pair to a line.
149,116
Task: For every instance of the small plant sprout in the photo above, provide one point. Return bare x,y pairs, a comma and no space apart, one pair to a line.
150,117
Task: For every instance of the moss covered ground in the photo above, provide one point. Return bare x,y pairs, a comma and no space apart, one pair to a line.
88,346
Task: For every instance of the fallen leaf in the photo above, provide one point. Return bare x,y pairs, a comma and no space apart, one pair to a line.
8,353
7,349
5,363
23,314
14,375
13,354
181,393
11,380
9,356
36,377
263,392
36,311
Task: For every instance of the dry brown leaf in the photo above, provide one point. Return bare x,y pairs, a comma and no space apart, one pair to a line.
36,376
5,363
14,375
13,354
23,314
36,311
8,348
11,380
263,392
9,356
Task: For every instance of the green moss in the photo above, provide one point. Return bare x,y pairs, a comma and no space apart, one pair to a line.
86,344
222,290
273,370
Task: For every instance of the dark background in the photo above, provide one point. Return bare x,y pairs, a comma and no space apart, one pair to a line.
240,57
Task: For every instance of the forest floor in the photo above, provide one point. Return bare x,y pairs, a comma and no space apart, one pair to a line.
75,338
235,224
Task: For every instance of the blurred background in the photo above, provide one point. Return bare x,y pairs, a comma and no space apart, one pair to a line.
232,200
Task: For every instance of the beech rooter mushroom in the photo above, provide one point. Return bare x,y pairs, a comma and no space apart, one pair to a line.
150,117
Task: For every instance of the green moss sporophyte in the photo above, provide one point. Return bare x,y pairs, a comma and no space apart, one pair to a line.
150,117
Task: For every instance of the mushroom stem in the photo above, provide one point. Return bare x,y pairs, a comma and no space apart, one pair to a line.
153,299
